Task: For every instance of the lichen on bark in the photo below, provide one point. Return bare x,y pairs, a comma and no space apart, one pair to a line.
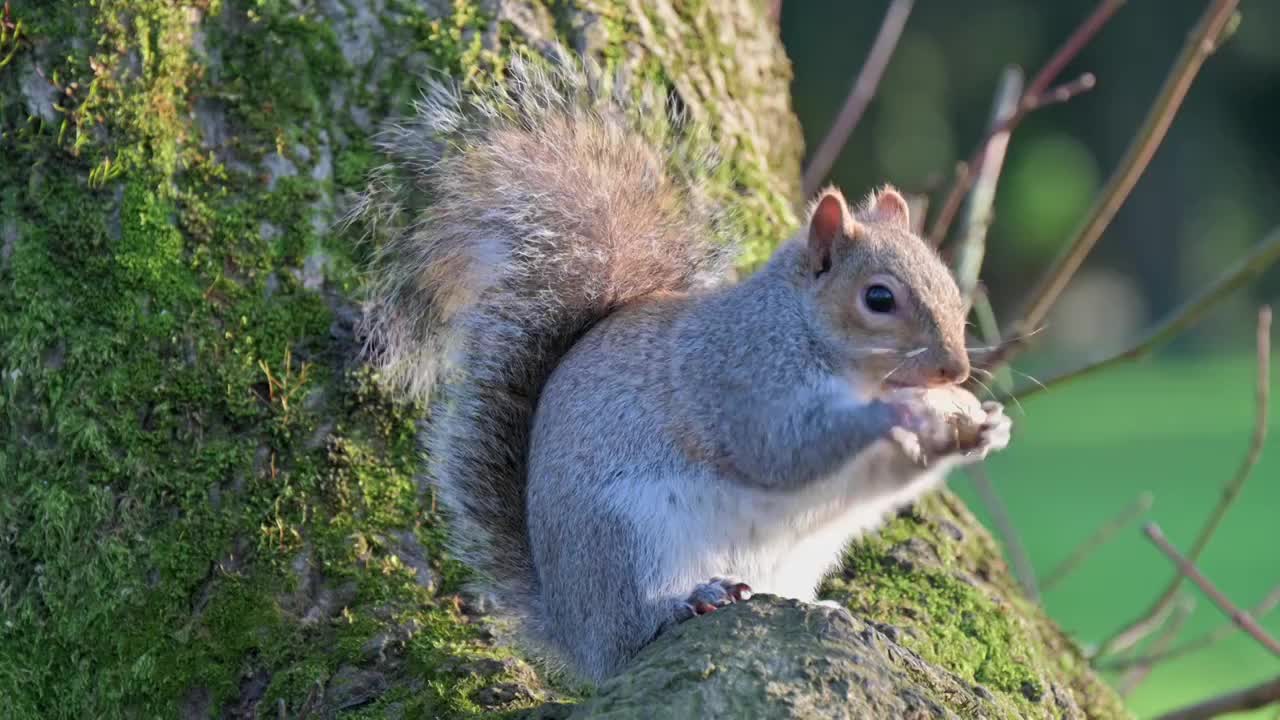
209,507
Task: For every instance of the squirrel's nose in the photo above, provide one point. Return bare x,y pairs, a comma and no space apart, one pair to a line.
952,371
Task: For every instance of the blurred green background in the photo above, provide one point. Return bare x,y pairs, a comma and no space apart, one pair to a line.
1177,424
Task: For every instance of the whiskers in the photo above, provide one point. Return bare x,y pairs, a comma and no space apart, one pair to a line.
864,352
995,353
991,393
895,369
905,355
1006,342
1029,377
976,371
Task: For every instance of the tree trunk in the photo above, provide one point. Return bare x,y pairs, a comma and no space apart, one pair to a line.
208,508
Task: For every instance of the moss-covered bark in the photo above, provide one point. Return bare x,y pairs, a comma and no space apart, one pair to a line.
207,508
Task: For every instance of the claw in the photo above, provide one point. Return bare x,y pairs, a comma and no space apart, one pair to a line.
716,593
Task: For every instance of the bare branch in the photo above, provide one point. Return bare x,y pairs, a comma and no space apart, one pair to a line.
864,88
1061,93
985,316
1072,46
1138,673
1139,630
1038,94
1263,256
1188,569
1136,509
918,209
966,172
1200,44
973,248
1158,655
1250,698
1128,636
1022,567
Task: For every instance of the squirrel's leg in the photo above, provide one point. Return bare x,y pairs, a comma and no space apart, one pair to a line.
601,585
607,590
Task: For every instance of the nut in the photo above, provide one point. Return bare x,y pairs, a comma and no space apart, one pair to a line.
954,405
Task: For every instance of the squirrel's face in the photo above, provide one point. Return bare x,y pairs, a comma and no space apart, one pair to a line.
889,300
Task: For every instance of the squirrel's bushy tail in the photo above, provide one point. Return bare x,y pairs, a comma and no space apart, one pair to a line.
507,222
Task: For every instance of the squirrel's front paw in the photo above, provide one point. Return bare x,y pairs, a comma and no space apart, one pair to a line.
977,435
710,596
921,434
947,423
994,432
909,443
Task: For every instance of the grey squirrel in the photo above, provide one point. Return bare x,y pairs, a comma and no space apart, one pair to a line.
623,437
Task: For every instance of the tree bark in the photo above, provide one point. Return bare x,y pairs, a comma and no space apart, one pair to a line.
209,508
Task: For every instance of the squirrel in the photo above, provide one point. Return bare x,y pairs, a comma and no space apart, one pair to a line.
623,437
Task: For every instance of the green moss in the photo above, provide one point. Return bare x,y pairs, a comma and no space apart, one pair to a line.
760,182
150,248
173,407
12,38
353,165
456,45
966,632
936,576
256,43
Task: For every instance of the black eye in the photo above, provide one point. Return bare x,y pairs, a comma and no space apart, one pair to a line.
879,299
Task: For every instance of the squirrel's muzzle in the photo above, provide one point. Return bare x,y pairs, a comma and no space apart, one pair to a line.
934,368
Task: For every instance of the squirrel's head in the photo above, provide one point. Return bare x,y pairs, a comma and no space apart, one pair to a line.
886,297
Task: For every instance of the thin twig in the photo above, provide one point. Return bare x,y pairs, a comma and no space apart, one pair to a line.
1200,44
1139,630
1188,569
1061,93
1022,568
973,248
1037,95
1251,698
967,172
985,315
1139,673
1156,656
1136,509
991,499
1072,46
864,88
1263,256
1129,635
918,209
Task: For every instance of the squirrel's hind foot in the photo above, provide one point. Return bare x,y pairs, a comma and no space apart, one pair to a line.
712,595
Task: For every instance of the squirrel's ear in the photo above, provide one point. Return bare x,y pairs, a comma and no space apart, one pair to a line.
888,206
828,221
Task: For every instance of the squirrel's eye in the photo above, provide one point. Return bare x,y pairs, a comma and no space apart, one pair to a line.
879,299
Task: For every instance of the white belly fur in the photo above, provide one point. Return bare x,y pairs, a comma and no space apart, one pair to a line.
780,543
